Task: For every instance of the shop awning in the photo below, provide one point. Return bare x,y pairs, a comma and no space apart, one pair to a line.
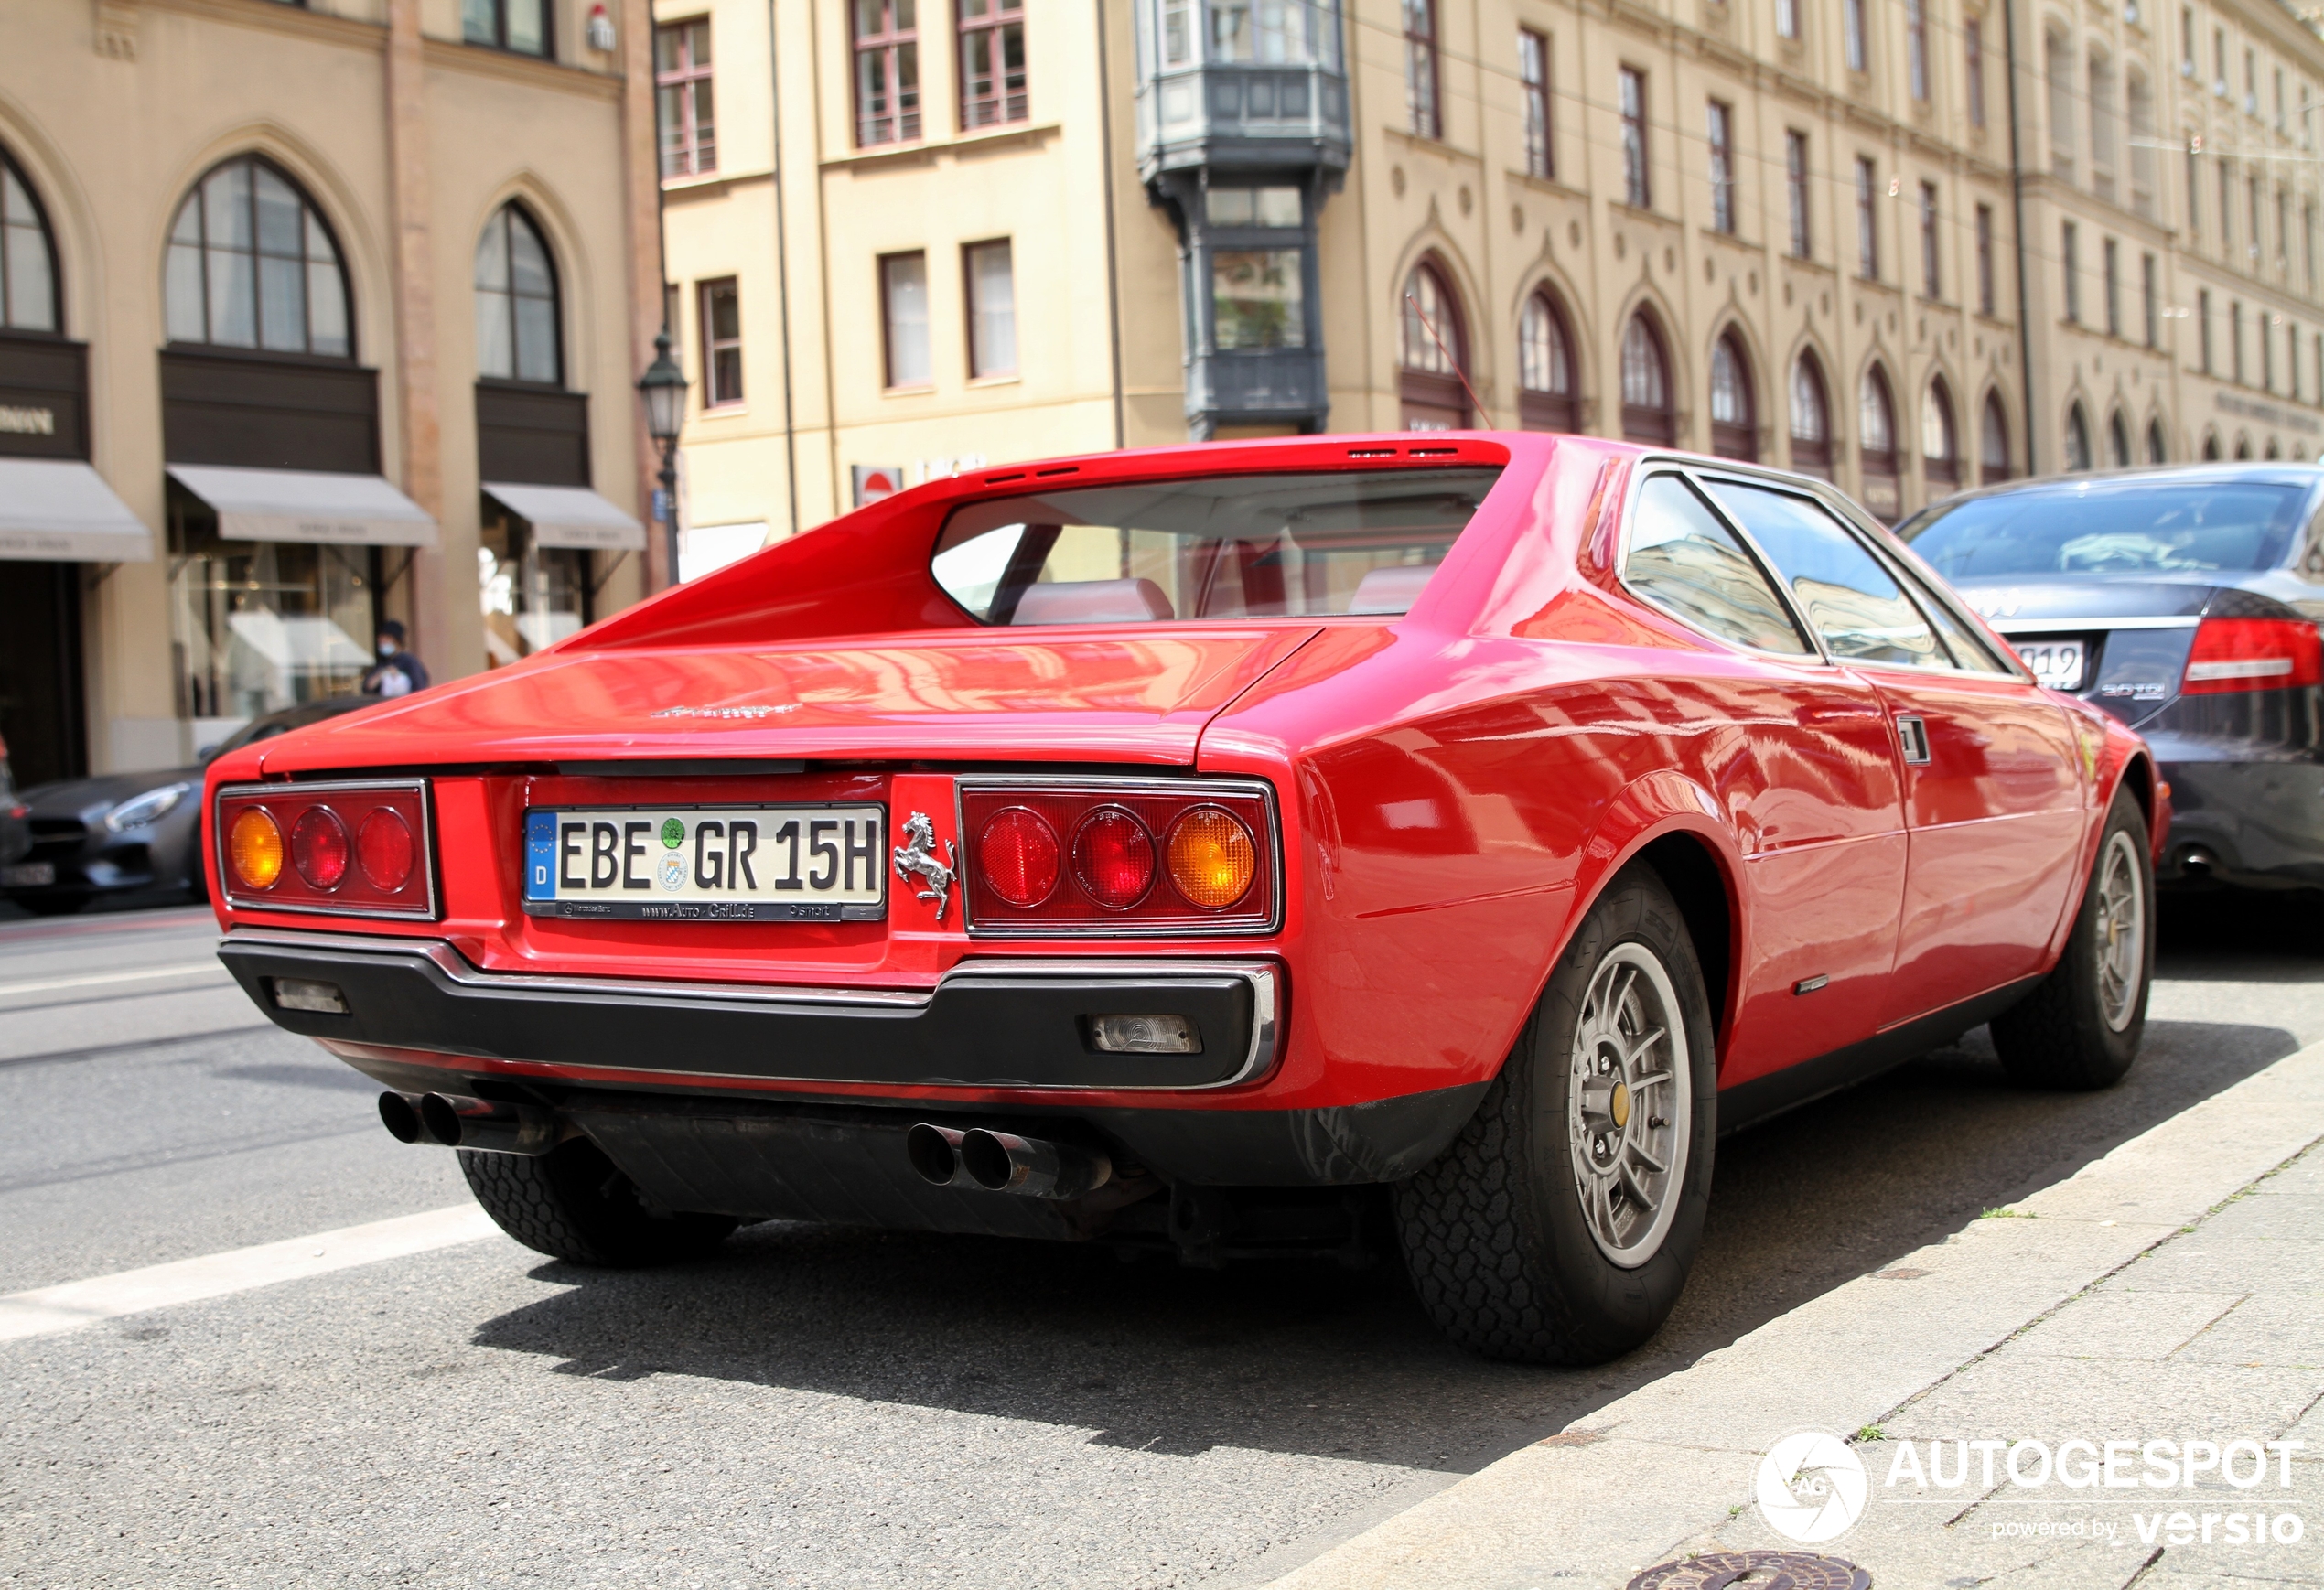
61,510
569,516
307,505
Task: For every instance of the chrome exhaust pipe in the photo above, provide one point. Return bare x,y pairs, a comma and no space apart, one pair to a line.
400,1114
486,1126
935,1152
1030,1166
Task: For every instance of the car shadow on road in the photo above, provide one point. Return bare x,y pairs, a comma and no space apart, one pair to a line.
1321,1361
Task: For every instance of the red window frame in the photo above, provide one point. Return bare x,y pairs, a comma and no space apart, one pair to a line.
887,62
1422,100
720,355
689,139
992,91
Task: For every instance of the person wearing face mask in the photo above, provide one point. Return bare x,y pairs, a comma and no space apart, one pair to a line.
397,672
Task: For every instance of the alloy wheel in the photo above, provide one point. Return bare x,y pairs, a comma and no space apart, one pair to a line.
1628,1104
2122,931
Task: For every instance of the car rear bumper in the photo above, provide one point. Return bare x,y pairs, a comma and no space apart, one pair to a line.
986,1024
2256,824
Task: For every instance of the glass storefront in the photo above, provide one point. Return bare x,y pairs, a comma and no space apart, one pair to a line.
258,626
532,594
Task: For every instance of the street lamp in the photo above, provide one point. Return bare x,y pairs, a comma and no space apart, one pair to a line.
663,386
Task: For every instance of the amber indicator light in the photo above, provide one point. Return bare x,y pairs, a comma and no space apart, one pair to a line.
1212,858
255,846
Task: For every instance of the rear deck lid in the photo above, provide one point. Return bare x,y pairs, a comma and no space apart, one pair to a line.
2120,645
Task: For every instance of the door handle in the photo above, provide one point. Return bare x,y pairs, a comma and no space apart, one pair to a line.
1913,735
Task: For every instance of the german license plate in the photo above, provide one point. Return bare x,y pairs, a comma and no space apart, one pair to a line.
2056,664
709,864
30,874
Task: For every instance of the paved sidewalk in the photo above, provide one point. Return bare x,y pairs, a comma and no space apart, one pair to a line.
2172,1291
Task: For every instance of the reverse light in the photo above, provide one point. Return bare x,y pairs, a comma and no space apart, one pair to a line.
1212,858
256,848
349,849
1144,1034
1125,857
1114,858
2244,654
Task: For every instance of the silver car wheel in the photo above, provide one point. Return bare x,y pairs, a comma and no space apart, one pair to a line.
1628,1107
2122,931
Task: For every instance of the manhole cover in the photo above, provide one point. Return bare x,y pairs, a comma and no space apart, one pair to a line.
1757,1569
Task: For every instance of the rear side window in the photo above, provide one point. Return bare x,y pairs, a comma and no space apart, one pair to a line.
1855,604
1223,547
1683,559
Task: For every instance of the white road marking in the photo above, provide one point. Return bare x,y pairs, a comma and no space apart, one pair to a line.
44,985
49,1309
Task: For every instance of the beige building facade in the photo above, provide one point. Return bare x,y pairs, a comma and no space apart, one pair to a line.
1787,230
315,316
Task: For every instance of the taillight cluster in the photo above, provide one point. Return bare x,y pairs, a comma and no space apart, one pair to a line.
351,849
1123,858
2240,654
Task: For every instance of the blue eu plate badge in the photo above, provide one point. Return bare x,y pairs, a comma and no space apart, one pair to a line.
540,855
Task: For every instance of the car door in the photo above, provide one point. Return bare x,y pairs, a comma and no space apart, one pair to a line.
1811,788
1992,798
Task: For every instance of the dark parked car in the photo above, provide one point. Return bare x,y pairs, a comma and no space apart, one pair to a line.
2185,602
125,832
16,833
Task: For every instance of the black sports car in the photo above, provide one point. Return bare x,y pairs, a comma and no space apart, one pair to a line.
2184,601
124,834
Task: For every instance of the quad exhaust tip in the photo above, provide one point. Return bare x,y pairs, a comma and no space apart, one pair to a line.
1003,1162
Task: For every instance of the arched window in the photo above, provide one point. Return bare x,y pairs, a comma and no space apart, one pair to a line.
1939,449
1432,346
2117,441
1877,445
1810,418
1993,443
516,302
27,257
1735,427
2210,447
1646,382
253,264
2243,449
1545,396
2275,450
2077,440
2158,449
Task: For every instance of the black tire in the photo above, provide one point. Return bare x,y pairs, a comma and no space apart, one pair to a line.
2062,1036
1494,1232
573,1203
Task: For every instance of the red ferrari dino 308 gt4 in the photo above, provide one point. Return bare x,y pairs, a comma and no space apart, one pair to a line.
1235,850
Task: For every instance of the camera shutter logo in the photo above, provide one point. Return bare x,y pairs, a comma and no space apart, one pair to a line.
1810,1486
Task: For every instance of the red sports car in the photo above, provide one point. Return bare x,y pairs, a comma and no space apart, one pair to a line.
1231,850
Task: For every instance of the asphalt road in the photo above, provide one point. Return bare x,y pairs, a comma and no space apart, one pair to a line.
834,1408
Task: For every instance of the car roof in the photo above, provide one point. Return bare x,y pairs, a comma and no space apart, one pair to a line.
2276,473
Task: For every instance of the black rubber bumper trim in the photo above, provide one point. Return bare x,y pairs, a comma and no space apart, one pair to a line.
993,1023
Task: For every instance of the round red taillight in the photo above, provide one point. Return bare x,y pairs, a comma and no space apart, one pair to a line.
385,847
1017,856
1114,858
319,848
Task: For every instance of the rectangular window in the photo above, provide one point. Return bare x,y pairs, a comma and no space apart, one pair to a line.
1932,284
2226,206
990,271
992,60
2203,328
2186,41
1258,298
2292,359
1177,32
2251,189
1795,185
682,98
2111,256
1868,221
721,308
2307,244
1638,189
2194,193
2069,263
1973,56
2235,341
1533,70
1787,18
2282,227
2150,299
1420,68
1916,47
2266,353
887,35
521,26
1852,34
1722,137
903,302
1985,260
2279,99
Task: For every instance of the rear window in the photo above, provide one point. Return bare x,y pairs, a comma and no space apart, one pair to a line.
1231,546
2132,527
